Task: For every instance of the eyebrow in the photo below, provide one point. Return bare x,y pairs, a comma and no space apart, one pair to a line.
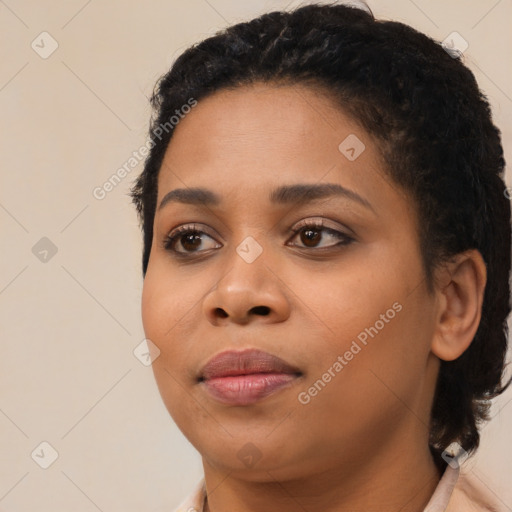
286,194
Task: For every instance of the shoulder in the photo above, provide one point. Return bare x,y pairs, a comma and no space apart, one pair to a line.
194,502
470,494
464,491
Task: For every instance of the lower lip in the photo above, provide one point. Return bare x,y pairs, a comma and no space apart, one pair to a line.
247,389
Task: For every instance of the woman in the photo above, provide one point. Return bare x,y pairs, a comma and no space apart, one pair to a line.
326,262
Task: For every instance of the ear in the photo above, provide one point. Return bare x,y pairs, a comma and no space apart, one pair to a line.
460,287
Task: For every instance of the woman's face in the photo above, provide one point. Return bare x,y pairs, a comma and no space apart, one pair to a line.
344,305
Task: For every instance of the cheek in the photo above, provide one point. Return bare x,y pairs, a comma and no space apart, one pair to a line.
345,298
370,317
169,306
375,383
167,311
383,367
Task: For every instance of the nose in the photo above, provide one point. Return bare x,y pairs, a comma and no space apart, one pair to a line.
247,292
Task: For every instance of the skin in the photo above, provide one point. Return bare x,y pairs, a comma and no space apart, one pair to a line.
362,442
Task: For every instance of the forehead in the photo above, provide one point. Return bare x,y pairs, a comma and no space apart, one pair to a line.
245,141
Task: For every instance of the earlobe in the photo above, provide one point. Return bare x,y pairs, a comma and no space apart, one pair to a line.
460,292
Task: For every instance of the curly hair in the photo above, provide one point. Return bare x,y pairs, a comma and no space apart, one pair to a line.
434,129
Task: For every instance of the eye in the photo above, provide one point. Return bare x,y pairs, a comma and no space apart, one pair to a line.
312,232
189,238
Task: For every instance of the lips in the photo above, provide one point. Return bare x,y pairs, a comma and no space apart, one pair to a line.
245,377
227,364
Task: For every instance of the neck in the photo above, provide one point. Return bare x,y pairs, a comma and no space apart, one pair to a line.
391,481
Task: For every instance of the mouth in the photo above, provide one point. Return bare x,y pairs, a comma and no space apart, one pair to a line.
246,377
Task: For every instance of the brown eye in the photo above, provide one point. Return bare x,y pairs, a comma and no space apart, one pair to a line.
310,237
314,233
188,240
191,241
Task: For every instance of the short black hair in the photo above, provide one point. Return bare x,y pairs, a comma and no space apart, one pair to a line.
434,129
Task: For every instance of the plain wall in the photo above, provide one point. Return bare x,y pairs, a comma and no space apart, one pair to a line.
69,325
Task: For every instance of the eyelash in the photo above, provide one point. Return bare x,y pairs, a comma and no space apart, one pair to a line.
318,225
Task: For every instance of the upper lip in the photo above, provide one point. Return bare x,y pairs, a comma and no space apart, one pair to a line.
245,362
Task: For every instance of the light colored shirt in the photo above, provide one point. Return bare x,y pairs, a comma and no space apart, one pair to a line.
456,492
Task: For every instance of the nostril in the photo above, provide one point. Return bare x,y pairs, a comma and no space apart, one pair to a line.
261,310
220,312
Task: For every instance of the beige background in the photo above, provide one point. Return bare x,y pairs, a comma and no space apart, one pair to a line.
68,375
